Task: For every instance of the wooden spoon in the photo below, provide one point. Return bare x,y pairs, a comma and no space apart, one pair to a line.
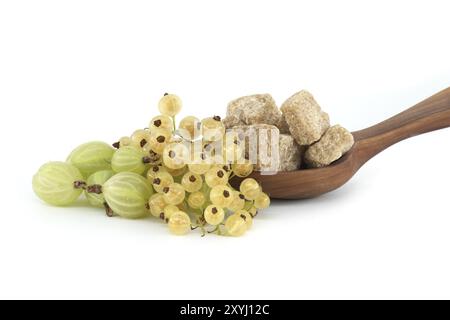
429,115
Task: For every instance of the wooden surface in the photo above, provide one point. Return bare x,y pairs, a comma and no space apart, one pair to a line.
429,115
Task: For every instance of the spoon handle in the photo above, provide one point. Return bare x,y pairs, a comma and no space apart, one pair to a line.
428,115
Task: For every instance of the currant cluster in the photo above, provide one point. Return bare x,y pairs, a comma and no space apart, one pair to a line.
178,174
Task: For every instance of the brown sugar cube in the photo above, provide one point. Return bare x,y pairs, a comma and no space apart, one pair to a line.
307,122
231,121
334,144
290,153
283,126
260,143
255,109
269,150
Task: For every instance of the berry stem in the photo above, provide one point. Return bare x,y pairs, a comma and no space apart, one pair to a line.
214,230
248,205
202,227
219,231
108,210
79,185
146,160
174,124
95,188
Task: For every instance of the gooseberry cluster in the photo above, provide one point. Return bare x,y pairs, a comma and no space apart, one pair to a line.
178,174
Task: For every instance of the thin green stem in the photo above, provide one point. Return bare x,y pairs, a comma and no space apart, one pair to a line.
202,227
174,124
248,205
213,230
229,185
202,208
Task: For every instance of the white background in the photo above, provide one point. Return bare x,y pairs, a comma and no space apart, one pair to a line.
74,71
